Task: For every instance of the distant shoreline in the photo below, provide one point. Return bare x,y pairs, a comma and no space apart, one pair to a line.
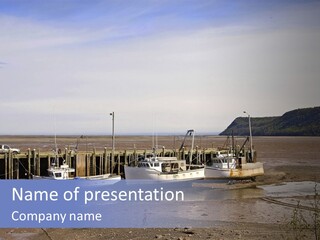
216,134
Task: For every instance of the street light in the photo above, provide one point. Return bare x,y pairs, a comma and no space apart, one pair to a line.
113,140
249,118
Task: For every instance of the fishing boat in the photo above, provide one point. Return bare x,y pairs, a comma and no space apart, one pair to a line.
65,172
232,167
62,172
164,168
235,163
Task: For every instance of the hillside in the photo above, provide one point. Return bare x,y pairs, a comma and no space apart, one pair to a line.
299,122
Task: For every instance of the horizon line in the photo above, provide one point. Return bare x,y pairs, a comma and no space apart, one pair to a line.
119,134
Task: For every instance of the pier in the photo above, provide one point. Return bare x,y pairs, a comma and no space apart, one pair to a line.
94,155
34,162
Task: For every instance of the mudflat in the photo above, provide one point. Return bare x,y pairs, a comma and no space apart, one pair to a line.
248,216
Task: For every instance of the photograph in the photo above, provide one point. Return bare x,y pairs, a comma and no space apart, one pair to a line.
159,119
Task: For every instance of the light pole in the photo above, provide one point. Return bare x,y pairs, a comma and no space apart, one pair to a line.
113,141
249,118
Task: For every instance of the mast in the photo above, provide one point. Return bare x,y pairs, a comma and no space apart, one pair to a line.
113,142
233,145
154,137
192,145
250,132
56,160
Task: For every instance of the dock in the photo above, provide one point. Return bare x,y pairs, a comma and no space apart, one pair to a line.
34,162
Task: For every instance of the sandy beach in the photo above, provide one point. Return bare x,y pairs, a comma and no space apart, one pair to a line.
243,212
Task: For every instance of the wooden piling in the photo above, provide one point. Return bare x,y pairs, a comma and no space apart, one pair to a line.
49,160
38,163
16,162
10,166
66,156
134,155
75,164
197,155
125,162
93,163
183,157
118,157
29,163
106,162
87,164
6,166
111,163
100,168
81,163
34,161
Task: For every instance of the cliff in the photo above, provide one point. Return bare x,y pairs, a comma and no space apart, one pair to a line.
299,122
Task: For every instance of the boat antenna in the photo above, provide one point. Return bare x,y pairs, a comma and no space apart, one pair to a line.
154,137
56,163
55,137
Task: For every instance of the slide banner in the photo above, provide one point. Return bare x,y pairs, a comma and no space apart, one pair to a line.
100,204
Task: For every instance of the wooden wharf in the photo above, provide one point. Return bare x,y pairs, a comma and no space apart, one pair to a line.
34,162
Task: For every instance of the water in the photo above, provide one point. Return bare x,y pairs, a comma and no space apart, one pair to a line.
215,203
290,189
222,191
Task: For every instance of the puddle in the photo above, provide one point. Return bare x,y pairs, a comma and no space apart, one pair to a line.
290,189
223,191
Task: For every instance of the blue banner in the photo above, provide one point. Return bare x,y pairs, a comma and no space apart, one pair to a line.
98,204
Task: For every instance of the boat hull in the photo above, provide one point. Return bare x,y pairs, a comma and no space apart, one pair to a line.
104,178
36,177
151,174
110,177
247,170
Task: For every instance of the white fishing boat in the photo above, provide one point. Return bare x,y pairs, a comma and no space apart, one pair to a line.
235,164
63,172
164,168
229,166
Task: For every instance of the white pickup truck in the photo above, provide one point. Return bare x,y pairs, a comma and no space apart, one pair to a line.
5,148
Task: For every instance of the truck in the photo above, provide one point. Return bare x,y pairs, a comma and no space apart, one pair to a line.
5,149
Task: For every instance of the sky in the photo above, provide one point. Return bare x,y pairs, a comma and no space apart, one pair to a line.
162,66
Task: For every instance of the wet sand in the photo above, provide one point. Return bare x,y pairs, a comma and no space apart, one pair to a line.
241,213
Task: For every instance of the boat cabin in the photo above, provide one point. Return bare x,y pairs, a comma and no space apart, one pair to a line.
164,165
61,173
222,162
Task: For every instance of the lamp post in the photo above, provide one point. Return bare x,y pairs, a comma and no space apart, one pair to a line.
249,118
113,141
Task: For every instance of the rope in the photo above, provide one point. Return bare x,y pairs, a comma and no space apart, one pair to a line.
47,234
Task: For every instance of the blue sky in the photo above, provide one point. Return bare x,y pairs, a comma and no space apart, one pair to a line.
161,66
